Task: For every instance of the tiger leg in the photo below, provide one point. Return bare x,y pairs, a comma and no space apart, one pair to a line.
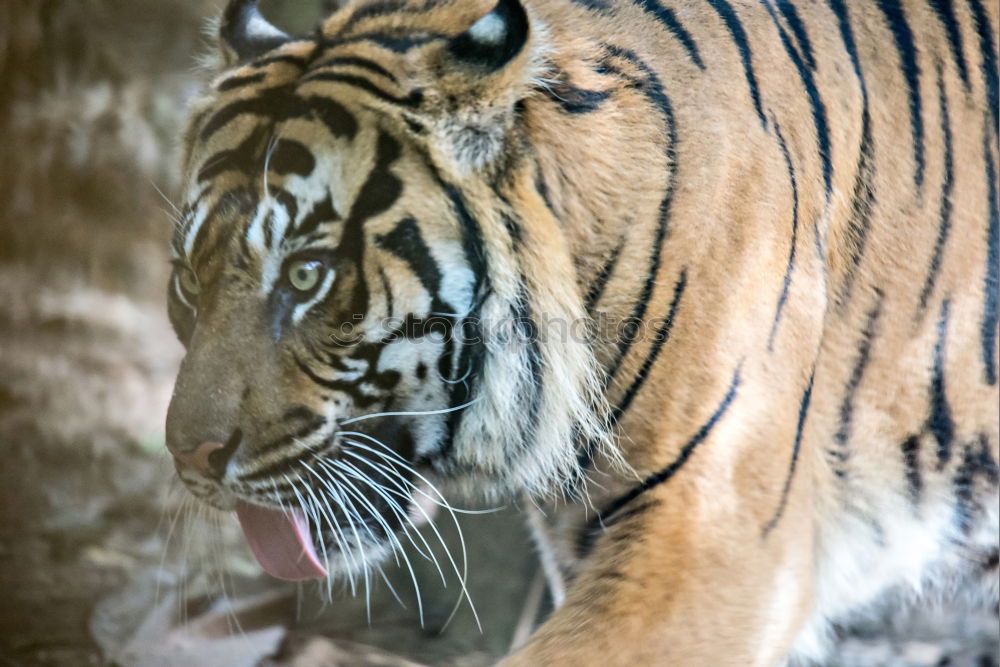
691,573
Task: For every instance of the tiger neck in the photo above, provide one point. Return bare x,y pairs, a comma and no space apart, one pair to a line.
603,169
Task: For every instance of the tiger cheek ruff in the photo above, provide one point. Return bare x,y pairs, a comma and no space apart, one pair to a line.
736,258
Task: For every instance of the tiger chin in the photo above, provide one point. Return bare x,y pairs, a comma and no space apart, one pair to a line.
739,257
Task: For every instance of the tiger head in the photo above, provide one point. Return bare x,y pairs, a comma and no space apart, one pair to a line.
361,274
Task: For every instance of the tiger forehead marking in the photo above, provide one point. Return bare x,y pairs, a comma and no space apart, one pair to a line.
734,260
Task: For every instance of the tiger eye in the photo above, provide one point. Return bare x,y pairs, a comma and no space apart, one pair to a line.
188,281
303,275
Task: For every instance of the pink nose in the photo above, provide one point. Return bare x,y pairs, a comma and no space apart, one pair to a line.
200,459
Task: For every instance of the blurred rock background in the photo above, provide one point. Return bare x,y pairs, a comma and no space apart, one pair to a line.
101,559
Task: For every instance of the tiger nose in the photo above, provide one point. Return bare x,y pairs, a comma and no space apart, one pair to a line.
208,458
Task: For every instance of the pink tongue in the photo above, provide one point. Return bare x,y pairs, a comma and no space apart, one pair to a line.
280,541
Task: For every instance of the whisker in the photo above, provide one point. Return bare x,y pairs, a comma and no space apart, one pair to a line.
430,522
314,514
267,161
165,198
413,578
341,540
384,492
430,554
392,589
170,533
319,509
395,458
416,413
393,540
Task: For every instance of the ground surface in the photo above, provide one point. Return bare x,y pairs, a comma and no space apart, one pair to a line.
95,566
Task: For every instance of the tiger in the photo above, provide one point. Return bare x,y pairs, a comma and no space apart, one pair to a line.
721,276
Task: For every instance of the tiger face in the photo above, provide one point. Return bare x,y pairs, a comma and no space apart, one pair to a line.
349,289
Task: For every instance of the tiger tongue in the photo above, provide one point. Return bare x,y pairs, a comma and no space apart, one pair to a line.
281,541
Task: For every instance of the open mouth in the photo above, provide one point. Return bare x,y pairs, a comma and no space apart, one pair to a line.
362,494
286,542
281,541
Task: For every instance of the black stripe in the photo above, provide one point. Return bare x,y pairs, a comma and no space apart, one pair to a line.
635,510
902,35
242,259
586,538
299,413
321,212
350,388
815,101
377,195
283,103
575,100
397,43
862,207
371,353
988,58
790,266
337,119
863,194
361,63
311,426
975,463
240,81
600,6
372,10
608,511
739,35
653,90
407,243
280,467
473,245
662,334
301,63
291,157
238,199
246,157
839,8
389,299
601,281
379,192
514,227
799,429
543,191
911,464
529,332
940,421
964,486
991,280
945,11
669,19
794,21
469,357
842,436
329,357
411,99
271,103
288,202
944,212
266,225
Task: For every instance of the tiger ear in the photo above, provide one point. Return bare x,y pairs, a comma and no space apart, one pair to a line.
244,34
494,40
479,77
